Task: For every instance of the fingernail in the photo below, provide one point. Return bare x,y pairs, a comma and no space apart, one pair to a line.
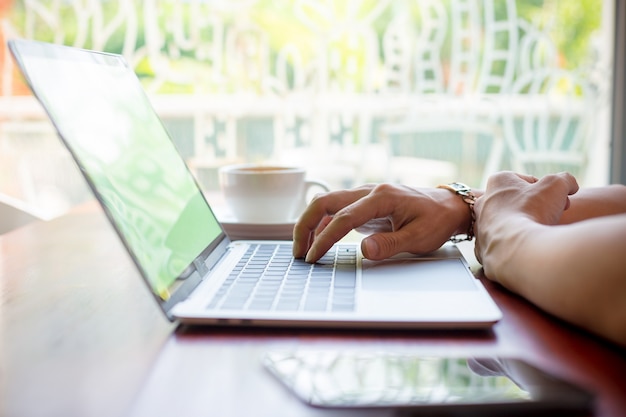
370,248
309,257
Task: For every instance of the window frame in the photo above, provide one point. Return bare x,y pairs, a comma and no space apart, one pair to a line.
618,145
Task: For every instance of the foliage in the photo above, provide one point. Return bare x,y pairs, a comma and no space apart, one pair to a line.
571,26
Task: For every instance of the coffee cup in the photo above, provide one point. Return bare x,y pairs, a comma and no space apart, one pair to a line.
266,193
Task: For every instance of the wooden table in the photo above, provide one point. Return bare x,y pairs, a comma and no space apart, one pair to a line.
81,336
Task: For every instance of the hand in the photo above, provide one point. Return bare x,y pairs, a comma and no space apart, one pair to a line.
510,196
399,218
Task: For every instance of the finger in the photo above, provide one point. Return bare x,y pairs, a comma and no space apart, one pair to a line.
563,183
531,179
323,224
385,245
375,226
372,206
570,182
572,187
322,206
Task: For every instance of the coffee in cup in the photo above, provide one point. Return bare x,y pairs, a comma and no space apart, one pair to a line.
266,193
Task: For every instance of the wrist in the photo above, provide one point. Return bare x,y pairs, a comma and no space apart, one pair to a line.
462,198
502,240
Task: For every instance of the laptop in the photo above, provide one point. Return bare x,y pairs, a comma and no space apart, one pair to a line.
195,272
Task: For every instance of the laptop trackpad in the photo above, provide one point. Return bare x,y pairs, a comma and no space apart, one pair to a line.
416,275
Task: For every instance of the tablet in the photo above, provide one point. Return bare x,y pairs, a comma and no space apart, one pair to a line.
416,384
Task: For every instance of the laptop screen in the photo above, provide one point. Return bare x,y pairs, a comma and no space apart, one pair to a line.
107,122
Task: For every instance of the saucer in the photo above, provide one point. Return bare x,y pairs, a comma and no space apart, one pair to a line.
258,231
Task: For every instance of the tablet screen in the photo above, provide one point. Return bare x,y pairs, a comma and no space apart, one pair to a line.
362,379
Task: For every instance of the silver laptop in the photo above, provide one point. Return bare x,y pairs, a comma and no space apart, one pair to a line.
196,273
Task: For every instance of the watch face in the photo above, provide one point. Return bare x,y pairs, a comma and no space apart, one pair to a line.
461,188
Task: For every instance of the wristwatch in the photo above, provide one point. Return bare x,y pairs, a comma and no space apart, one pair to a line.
465,192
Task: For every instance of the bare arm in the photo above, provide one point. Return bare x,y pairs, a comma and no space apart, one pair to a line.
575,271
595,202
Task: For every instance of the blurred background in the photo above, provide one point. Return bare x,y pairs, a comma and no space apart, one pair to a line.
413,91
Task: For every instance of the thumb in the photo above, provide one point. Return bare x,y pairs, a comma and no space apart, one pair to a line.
380,246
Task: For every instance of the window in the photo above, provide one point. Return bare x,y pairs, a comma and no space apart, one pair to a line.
419,92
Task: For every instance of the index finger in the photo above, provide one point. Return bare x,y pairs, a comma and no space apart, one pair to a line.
346,219
322,206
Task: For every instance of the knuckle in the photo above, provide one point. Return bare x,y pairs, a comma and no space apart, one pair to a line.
551,177
385,189
365,188
343,216
319,196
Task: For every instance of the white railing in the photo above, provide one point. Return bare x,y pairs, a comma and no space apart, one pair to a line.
331,90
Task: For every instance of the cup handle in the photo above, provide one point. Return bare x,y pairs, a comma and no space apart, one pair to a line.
308,185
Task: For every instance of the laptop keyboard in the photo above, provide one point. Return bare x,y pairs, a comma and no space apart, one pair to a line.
269,278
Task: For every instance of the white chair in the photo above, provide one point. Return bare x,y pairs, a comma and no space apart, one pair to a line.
15,213
444,139
548,126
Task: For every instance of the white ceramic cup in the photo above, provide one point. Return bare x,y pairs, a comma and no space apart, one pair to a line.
266,193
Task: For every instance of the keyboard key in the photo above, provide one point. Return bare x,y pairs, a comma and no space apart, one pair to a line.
342,307
345,277
270,278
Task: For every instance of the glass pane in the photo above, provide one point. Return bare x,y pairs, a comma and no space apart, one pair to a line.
419,92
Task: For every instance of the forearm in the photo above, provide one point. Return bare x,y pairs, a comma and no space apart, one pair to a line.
592,202
588,203
576,272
